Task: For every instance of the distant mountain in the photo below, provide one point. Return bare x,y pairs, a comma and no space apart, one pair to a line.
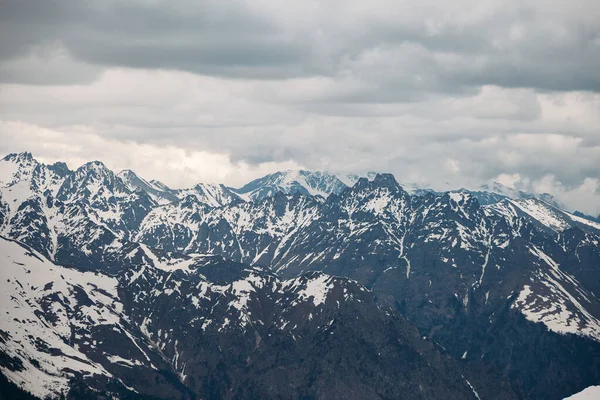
411,188
362,291
212,195
310,183
351,179
492,193
588,217
544,215
485,194
292,182
158,191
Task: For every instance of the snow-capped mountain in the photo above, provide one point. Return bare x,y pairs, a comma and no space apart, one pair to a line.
245,231
246,332
291,182
211,195
77,217
544,215
412,188
27,191
495,192
312,184
351,179
588,217
158,191
213,296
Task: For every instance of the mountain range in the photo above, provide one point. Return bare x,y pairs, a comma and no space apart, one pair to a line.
298,285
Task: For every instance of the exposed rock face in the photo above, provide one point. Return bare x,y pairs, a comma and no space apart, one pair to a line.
302,286
210,328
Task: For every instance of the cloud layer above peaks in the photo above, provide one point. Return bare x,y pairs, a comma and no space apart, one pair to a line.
444,93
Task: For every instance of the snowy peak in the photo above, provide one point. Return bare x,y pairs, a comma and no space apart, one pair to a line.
159,185
90,181
95,171
462,199
413,189
22,178
19,158
209,194
501,189
351,179
291,182
159,192
212,195
496,191
16,167
383,180
129,178
544,215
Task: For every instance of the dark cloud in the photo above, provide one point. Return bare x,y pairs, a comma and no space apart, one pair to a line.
434,91
400,50
217,38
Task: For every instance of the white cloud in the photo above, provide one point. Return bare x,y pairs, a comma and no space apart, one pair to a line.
227,89
174,166
582,197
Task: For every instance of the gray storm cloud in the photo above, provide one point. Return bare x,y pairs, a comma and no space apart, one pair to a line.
437,92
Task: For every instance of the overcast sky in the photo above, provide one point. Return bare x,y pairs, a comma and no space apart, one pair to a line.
445,93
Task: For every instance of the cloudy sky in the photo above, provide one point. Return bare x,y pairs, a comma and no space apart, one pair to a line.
445,93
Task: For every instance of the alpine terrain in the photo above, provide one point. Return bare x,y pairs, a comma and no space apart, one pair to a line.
298,285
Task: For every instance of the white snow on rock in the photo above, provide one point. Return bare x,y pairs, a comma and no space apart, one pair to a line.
556,299
41,315
315,289
291,181
590,393
212,195
158,191
26,282
545,214
167,263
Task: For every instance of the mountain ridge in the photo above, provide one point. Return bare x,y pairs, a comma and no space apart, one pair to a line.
306,182
469,276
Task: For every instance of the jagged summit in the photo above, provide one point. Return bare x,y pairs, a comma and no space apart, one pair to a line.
496,191
159,192
385,179
290,182
210,194
545,215
311,183
18,157
159,185
292,283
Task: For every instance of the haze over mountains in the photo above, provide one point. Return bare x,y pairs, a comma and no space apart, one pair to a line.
309,183
297,285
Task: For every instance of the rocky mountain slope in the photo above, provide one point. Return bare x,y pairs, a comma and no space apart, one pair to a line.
292,182
208,328
494,294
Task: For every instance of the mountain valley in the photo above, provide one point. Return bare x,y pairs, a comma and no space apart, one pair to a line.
300,285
